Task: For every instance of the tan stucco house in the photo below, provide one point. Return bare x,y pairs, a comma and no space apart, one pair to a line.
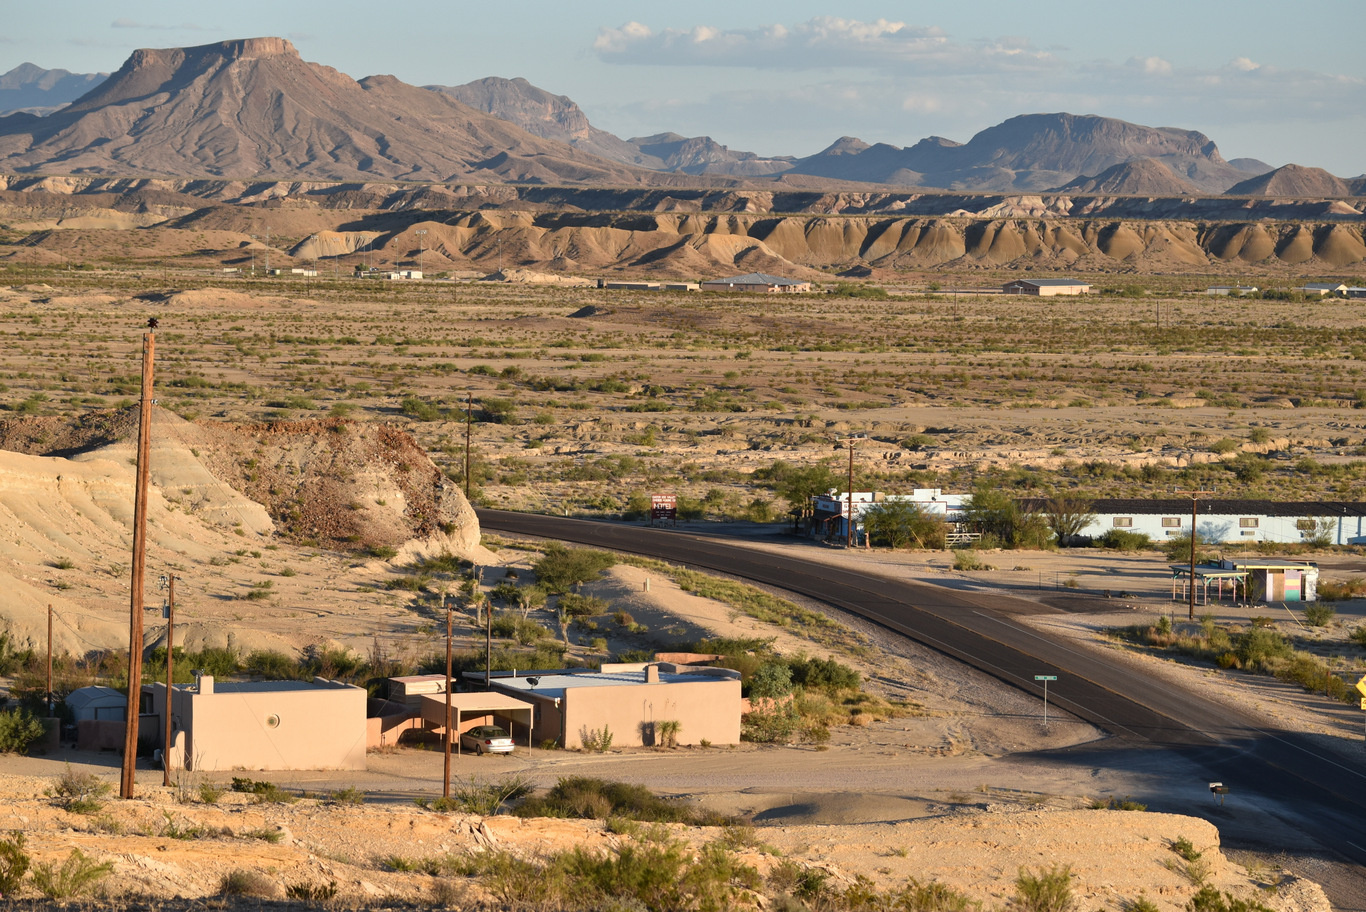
629,701
265,725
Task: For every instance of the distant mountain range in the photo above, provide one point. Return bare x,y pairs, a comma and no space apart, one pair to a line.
35,90
253,109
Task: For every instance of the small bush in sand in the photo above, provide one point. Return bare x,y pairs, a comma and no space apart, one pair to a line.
1318,615
1049,890
79,792
14,862
248,883
75,876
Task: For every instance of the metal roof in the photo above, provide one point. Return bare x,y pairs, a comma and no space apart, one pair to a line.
555,685
1049,283
755,278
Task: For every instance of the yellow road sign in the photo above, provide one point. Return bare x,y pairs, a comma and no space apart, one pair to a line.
1361,685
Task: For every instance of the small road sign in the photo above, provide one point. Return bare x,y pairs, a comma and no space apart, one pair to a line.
1052,677
1361,685
1045,679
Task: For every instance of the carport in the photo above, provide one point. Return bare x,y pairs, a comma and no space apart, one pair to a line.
477,705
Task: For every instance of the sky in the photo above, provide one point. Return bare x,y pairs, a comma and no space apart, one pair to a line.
1268,80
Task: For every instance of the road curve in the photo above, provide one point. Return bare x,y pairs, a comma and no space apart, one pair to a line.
1319,794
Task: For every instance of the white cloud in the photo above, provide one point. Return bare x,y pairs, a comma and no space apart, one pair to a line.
822,42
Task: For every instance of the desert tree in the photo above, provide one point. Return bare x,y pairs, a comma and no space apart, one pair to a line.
1067,516
898,524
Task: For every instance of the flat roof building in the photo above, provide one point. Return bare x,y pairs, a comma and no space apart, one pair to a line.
629,701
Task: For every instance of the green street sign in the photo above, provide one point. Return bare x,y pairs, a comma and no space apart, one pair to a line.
1055,677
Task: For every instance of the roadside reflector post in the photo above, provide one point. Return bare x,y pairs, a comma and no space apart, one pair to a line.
1045,679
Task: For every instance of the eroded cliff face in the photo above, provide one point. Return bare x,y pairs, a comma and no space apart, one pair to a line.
691,233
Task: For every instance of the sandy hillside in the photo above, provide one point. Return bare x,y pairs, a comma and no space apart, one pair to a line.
169,844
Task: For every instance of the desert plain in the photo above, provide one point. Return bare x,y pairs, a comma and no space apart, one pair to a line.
310,454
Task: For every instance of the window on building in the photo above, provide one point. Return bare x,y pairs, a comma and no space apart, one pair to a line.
1248,532
1171,522
1249,522
1306,525
1124,522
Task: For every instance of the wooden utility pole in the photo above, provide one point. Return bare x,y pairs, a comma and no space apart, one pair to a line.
170,677
469,413
849,526
135,609
1195,504
446,776
49,661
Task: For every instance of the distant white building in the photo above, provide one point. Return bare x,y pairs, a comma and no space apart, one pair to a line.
1236,291
757,282
831,509
1342,522
1046,287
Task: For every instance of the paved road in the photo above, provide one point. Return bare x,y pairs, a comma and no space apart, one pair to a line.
1321,795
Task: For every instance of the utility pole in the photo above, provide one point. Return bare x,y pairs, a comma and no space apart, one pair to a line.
421,250
267,250
488,635
169,580
49,660
849,526
1195,496
446,777
469,413
130,717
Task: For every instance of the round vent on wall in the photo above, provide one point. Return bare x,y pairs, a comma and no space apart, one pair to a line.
272,721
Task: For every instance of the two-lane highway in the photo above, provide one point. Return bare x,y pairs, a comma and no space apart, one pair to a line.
1324,796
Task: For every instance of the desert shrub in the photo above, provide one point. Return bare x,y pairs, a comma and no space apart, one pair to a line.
590,798
1211,900
1318,615
1359,636
560,569
75,876
79,792
309,892
242,882
1260,645
264,792
598,740
14,863
930,897
19,728
822,674
475,796
1185,848
667,732
1048,891
1124,540
272,665
419,409
210,792
1341,590
966,561
582,606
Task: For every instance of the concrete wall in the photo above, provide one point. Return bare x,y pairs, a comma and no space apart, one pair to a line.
705,711
321,727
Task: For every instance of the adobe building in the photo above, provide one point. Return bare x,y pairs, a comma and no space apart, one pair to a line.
265,725
629,700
